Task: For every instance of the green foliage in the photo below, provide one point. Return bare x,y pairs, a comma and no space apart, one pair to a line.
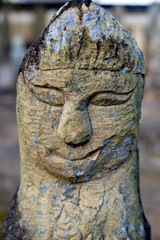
3,213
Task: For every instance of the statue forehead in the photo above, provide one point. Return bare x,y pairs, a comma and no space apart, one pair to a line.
73,79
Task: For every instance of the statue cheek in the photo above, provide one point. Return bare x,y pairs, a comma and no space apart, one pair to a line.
49,122
107,121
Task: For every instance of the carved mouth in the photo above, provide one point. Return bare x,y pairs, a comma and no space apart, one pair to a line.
72,168
89,156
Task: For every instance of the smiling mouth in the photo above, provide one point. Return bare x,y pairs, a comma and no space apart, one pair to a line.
89,156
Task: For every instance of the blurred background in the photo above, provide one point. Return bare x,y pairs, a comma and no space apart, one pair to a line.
21,22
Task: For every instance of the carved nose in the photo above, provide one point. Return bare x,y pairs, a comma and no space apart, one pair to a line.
74,126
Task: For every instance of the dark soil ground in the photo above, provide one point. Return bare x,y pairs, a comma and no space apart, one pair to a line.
149,148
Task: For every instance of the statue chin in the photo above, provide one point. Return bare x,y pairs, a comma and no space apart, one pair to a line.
79,170
93,166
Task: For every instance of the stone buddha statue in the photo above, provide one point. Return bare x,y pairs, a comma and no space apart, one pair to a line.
79,94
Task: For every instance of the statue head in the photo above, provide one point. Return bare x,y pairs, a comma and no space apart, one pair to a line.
80,88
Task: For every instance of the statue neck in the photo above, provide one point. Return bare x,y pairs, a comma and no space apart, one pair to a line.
76,207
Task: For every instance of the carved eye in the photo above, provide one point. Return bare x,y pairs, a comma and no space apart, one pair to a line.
110,99
48,95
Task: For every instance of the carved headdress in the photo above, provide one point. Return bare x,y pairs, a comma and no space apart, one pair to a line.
83,35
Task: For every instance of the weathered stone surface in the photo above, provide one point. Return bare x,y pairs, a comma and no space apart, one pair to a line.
79,94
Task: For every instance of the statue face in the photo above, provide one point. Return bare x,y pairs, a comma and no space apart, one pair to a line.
78,122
